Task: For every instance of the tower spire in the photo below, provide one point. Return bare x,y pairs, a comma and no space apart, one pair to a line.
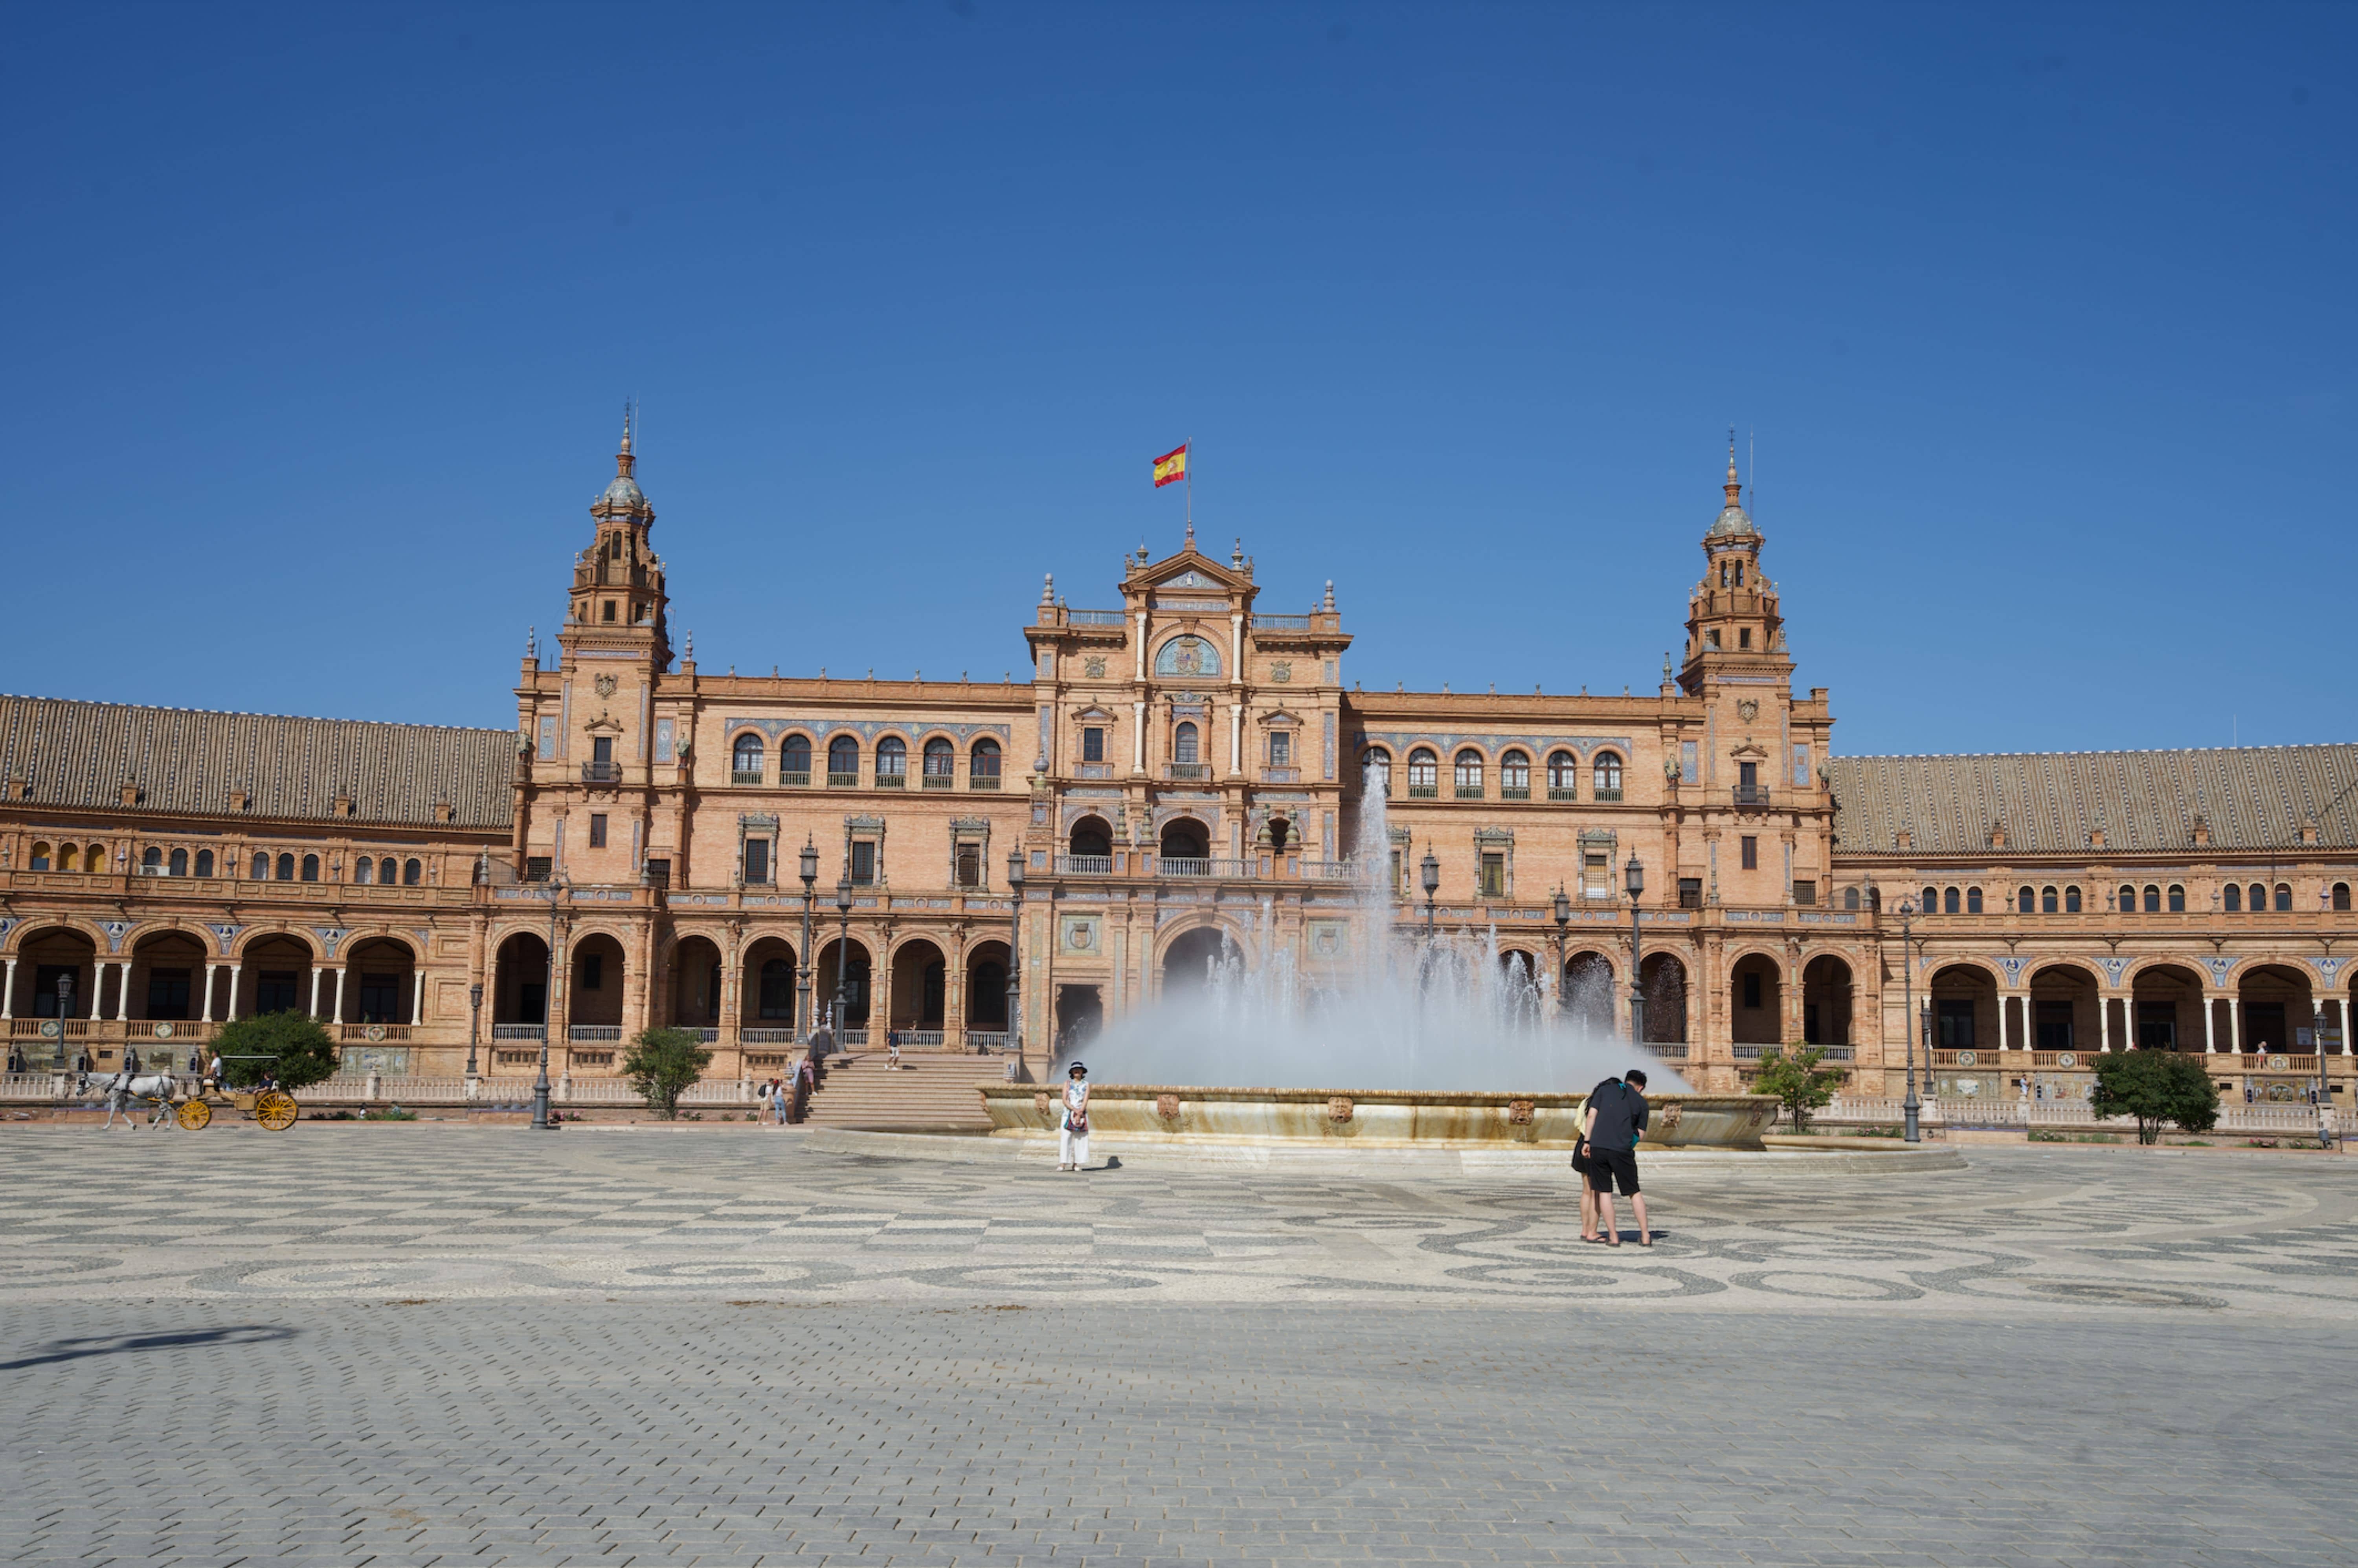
624,461
1734,486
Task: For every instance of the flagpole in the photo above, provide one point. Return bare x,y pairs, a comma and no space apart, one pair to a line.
1191,484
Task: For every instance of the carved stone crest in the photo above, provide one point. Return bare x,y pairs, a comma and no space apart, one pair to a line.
1748,710
1167,1107
605,684
1339,1108
1093,668
1281,671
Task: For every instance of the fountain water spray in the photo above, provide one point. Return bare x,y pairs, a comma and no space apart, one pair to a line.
1393,1012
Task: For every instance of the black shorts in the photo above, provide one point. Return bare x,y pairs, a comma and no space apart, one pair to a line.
1607,1166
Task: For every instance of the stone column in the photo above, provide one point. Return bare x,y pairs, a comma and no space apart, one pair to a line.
315,990
2209,1026
2235,1028
417,997
1236,738
9,992
97,989
228,1013
341,971
123,997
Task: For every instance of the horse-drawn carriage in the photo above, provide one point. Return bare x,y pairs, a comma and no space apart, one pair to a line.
127,1092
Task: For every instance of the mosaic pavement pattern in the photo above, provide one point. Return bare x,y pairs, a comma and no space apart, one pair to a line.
416,1345
359,1213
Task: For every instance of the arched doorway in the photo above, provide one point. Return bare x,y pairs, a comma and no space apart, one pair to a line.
1519,978
920,987
2063,1008
277,978
2274,1001
1755,1001
1185,839
1092,839
849,967
520,988
1825,1002
1588,993
695,989
1963,999
593,976
768,989
54,975
168,977
2168,1001
381,982
1187,962
986,987
1665,984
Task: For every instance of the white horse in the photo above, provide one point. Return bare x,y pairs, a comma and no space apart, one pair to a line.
124,1089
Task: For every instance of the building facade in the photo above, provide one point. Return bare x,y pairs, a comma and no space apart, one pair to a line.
1182,772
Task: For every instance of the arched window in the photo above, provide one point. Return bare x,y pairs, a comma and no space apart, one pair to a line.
204,862
941,763
2071,901
891,761
69,858
746,760
151,858
1950,905
2284,896
843,762
793,759
41,856
2259,898
1850,898
1973,901
413,871
1468,771
1930,902
2234,898
2176,899
2027,901
2152,898
285,868
1378,762
2046,900
2128,901
1423,774
385,871
1515,776
261,871
2341,896
363,870
1608,776
1184,746
1563,776
311,868
983,765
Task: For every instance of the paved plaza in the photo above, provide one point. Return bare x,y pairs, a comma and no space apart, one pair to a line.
421,1343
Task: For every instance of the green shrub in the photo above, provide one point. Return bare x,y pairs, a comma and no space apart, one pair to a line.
662,1063
2156,1086
1800,1085
305,1053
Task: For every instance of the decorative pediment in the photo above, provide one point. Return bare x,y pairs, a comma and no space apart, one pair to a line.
1192,577
1750,752
1283,720
605,723
1096,714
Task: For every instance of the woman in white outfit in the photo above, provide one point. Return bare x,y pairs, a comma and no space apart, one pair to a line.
1073,1127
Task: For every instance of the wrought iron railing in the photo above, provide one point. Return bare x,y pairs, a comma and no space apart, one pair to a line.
593,1033
1095,618
795,778
744,775
519,1032
1085,865
1187,769
601,772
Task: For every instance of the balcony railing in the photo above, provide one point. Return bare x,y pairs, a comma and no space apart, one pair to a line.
601,772
982,781
1282,775
1751,797
1469,791
371,1033
765,1035
843,781
519,1032
919,1037
1607,794
1514,792
1423,792
1187,769
1093,770
743,775
593,1033
795,778
1095,618
1327,870
892,781
1085,865
1564,792
941,780
1281,622
987,1039
1190,866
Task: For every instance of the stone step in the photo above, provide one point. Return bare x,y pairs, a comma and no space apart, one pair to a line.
924,1091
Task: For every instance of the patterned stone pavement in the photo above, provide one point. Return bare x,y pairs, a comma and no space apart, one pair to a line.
416,1344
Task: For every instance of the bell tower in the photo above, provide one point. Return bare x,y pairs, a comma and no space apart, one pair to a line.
618,582
1732,622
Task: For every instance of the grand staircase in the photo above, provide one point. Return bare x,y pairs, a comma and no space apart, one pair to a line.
927,1093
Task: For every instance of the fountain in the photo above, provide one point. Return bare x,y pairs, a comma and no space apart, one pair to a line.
1441,1040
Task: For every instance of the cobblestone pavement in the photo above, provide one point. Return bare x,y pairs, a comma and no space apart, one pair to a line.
418,1345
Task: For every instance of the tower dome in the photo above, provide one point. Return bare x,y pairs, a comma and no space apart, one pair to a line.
1733,519
623,498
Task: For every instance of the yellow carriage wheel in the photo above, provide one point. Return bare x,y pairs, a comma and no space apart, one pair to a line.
194,1113
276,1111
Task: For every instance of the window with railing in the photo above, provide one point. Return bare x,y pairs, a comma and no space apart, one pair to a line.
863,861
843,762
983,765
1607,771
794,760
1424,775
746,758
1377,763
1563,776
1514,777
941,763
1466,770
892,762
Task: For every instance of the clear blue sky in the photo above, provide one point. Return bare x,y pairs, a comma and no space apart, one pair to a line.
320,320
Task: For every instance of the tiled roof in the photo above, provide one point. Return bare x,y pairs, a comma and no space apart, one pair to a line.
188,761
2254,798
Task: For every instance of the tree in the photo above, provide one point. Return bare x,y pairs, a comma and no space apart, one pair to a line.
2156,1086
1800,1085
661,1063
305,1053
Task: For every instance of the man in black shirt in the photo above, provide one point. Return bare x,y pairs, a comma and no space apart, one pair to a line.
1614,1117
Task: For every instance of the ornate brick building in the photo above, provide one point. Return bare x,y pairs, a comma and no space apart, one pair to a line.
1180,772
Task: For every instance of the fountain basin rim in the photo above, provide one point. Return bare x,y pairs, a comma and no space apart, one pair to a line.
1364,1096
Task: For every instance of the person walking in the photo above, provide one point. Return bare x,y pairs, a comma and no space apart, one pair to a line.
1073,1126
1615,1116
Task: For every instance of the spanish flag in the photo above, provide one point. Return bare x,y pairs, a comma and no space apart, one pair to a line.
1171,467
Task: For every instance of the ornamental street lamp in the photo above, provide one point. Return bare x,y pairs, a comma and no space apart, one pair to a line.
1633,876
474,1023
835,1019
802,984
547,1010
1562,941
1014,964
1431,870
1909,1107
